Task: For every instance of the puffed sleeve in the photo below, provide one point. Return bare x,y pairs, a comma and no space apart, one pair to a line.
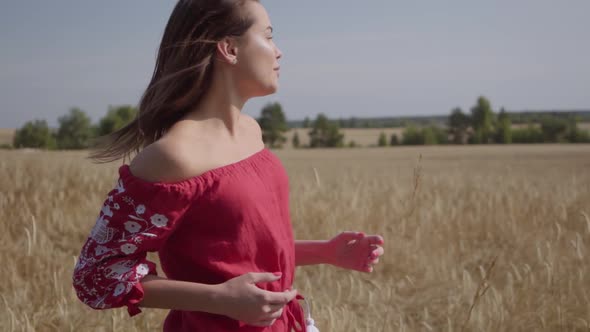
136,218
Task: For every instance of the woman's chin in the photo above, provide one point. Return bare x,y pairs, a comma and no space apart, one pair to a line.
267,90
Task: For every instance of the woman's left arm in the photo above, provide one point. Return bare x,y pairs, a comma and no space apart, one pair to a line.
348,250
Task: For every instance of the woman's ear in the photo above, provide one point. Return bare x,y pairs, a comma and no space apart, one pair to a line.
227,50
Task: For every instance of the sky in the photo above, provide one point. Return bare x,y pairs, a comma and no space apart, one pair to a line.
341,58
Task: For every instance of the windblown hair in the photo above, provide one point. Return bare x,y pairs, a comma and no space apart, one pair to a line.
182,74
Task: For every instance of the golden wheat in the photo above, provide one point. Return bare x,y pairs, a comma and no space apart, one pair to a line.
524,208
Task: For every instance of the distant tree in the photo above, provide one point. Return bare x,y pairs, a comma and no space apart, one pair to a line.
575,134
382,140
481,120
430,135
115,119
273,124
306,122
458,124
441,136
352,144
75,130
34,134
325,133
295,140
503,128
529,134
579,136
394,140
412,136
554,129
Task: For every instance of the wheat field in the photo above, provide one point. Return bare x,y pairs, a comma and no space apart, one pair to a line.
6,136
478,238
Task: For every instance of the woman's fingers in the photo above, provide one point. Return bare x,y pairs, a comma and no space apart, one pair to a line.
375,240
270,319
376,252
271,308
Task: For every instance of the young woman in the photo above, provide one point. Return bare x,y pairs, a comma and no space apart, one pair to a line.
203,191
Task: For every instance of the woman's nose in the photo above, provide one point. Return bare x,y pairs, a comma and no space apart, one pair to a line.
279,53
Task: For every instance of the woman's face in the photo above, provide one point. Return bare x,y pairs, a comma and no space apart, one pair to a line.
257,68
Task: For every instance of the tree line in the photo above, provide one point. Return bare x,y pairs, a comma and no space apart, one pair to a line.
481,125
75,129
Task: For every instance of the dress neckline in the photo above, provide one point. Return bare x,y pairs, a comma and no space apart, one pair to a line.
125,171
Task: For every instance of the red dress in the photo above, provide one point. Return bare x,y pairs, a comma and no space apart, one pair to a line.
207,229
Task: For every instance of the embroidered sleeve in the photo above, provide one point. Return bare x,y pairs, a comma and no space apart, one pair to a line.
135,218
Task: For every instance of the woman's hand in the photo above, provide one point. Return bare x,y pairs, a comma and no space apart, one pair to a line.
355,251
239,298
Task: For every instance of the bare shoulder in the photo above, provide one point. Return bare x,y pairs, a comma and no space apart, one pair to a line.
253,125
184,154
163,161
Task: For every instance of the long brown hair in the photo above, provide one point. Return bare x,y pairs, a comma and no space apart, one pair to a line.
182,74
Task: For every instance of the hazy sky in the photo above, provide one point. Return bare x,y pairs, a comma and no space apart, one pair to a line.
343,58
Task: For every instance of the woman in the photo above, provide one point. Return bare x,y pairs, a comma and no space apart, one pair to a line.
204,191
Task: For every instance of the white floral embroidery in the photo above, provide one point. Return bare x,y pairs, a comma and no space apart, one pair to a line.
128,248
132,227
117,270
159,220
119,289
121,228
100,250
142,269
106,210
120,187
101,233
140,209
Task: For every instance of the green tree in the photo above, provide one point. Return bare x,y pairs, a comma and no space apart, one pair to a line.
306,122
295,141
325,133
34,134
575,134
554,129
529,134
458,125
503,128
75,130
412,136
428,136
441,135
481,120
273,124
394,140
115,119
579,136
382,140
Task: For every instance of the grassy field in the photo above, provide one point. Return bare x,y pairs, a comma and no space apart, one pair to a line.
478,238
6,136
